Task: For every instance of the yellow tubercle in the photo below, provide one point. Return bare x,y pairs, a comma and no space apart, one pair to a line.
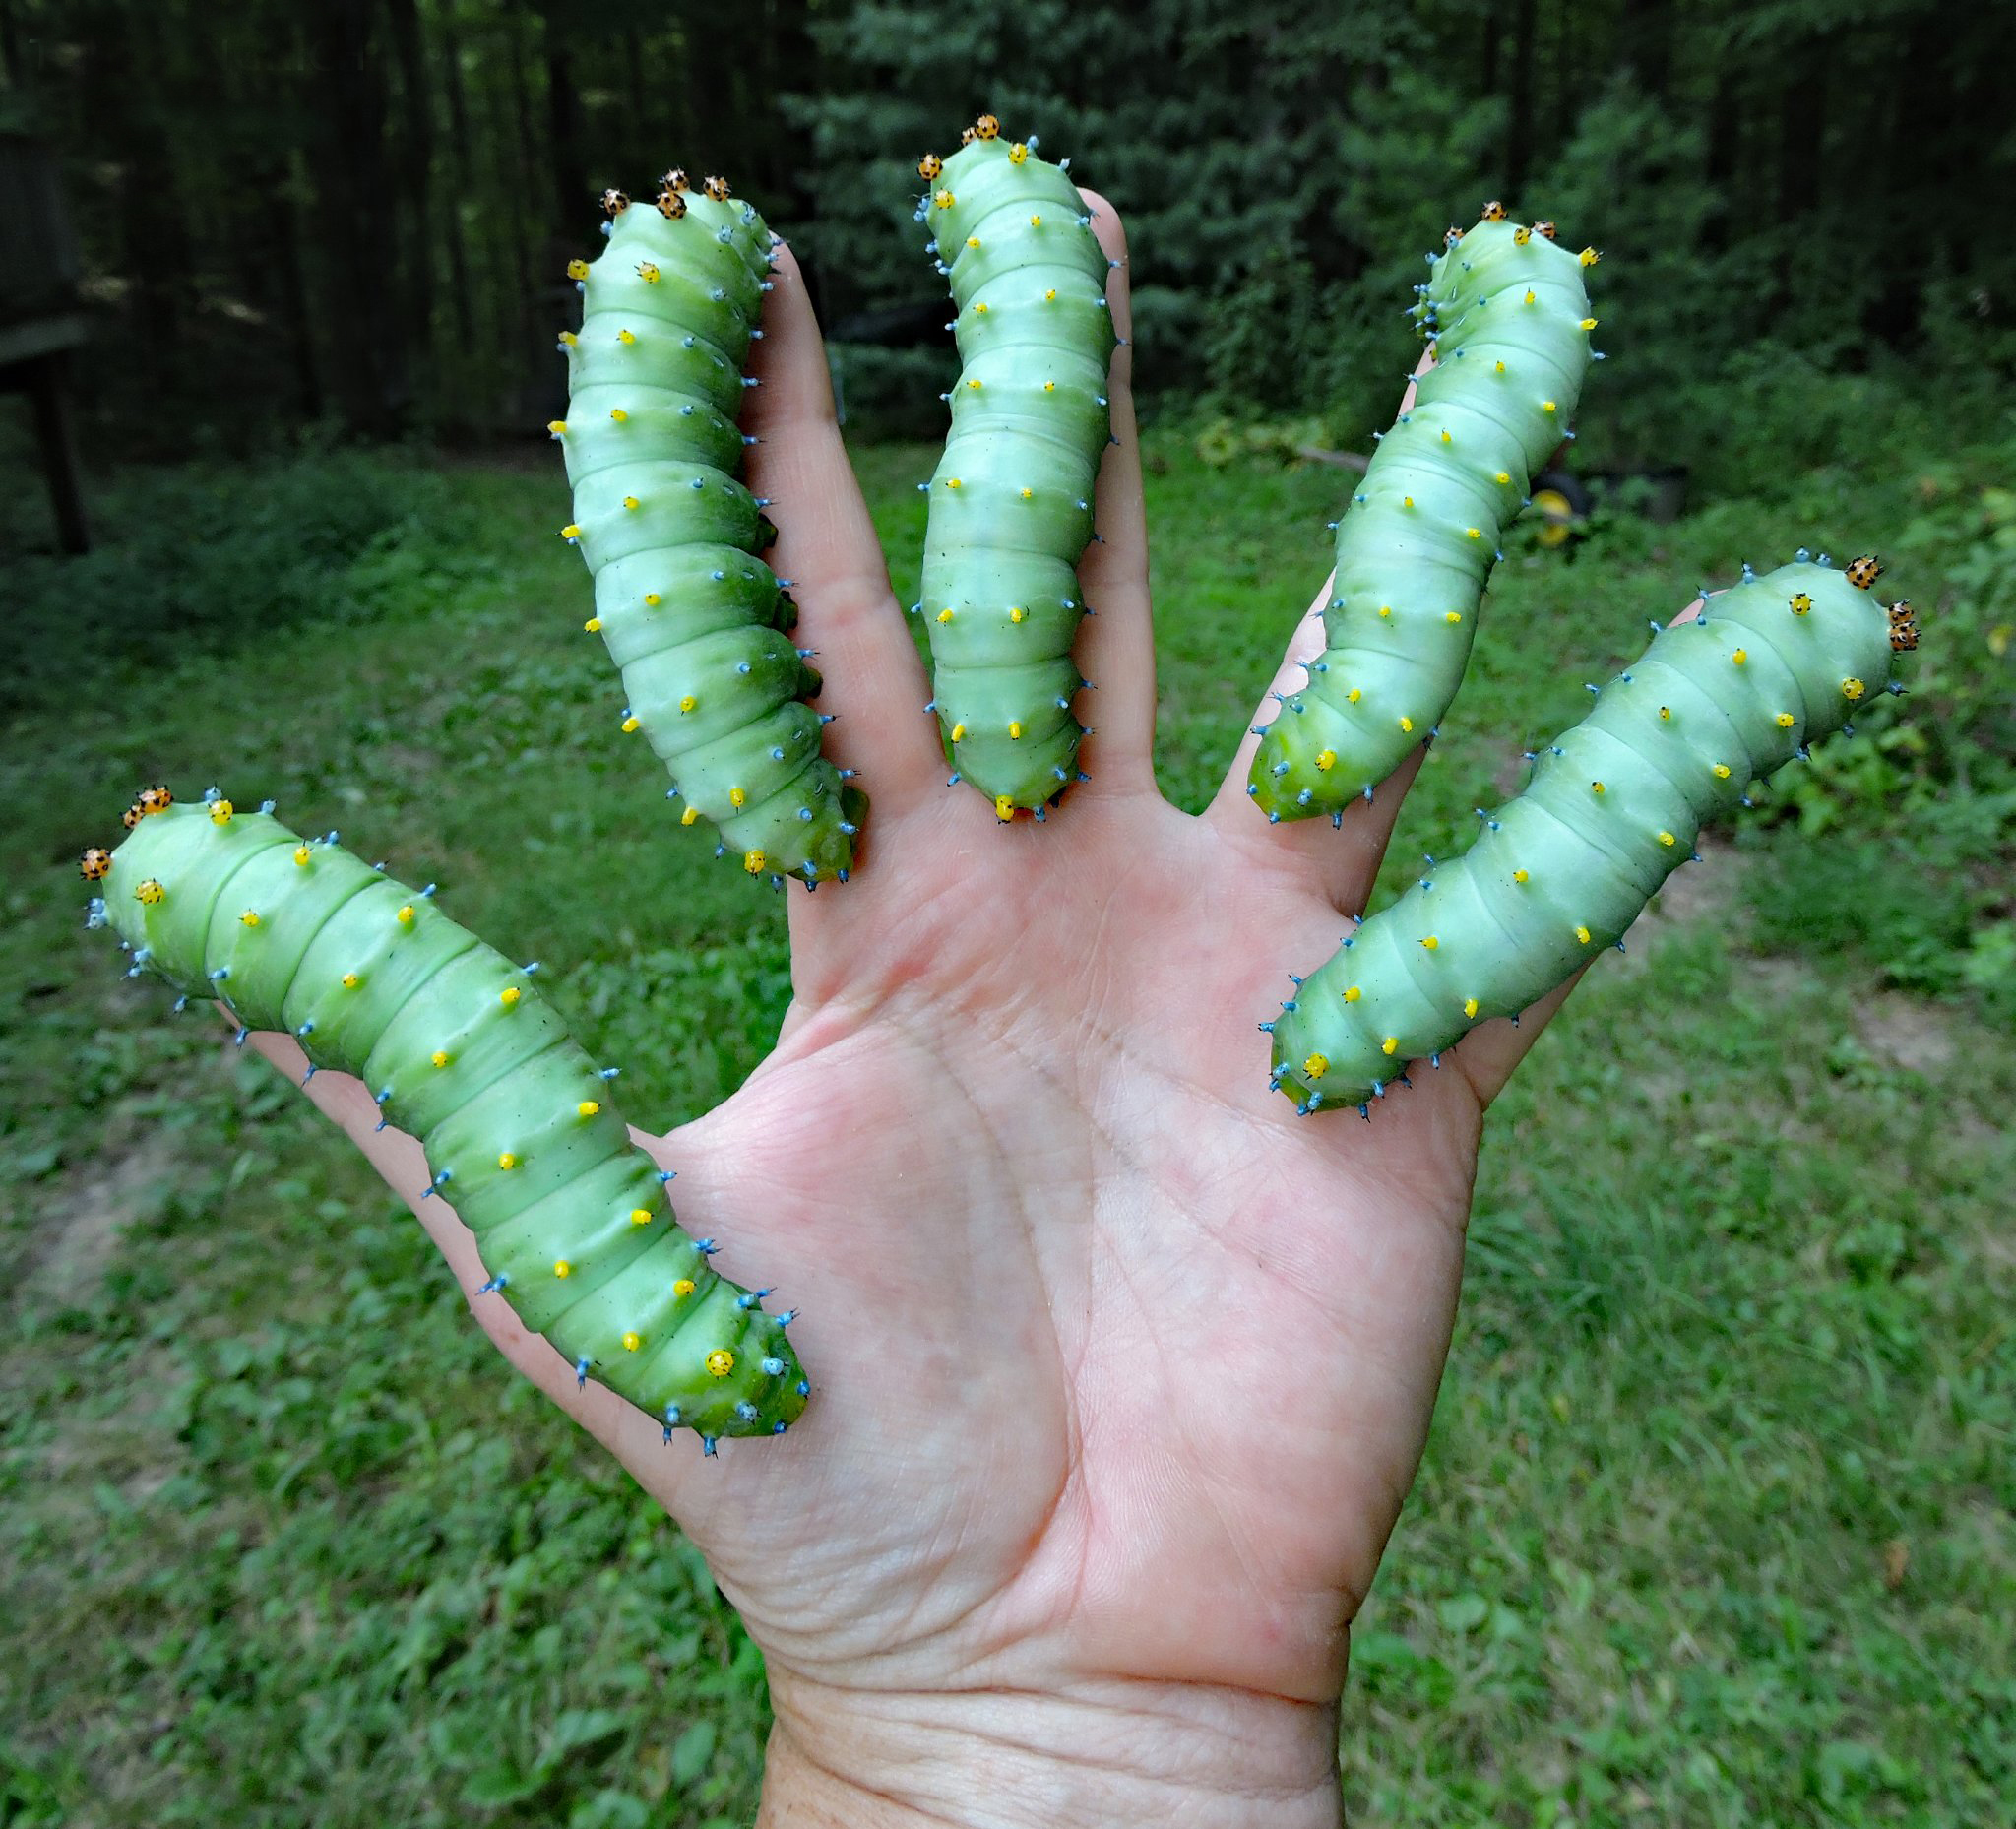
588,1108
1355,694
561,1267
683,1286
1014,730
1017,154
736,797
1741,655
572,531
652,600
687,702
1016,613
302,855
1004,808
509,997
1582,934
1391,1045
220,812
951,482
1406,724
640,1216
1529,297
1503,476
149,892
569,338
351,980
973,241
1786,720
975,384
1519,876
1666,712
631,1342
945,616
619,414
1469,1006
753,861
1027,495
631,502
1473,533
1351,993
1049,387
980,310
250,918
1316,1066
1406,501
1446,439
577,269
944,200
958,733
1036,221
1666,838
1588,323
1548,406
1589,257
507,1161
404,917
1430,941
440,1057
1386,609
1851,689
1596,787
1452,615
556,427
1722,771
691,814
626,335
1326,760
1498,369
720,1361
1800,604
594,626
646,271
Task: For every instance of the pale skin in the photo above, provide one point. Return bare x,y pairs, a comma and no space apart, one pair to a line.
1121,1370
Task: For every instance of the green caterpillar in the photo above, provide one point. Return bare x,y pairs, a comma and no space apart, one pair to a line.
572,1219
1614,807
1011,500
698,623
1509,324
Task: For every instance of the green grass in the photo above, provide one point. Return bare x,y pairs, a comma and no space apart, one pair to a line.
1715,1526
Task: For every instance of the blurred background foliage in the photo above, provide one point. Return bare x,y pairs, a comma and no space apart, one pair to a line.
359,212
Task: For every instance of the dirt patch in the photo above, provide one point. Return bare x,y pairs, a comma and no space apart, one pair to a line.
1905,1032
81,1224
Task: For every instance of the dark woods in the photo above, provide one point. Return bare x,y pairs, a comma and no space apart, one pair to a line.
356,214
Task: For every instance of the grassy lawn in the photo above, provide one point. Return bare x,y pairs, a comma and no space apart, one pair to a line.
1716,1522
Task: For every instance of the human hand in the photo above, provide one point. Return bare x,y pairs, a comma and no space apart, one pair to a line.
1122,1372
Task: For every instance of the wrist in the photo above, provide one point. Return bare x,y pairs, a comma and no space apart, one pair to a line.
1106,1755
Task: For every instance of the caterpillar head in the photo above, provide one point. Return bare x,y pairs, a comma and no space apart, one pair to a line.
614,203
1545,228
1493,211
1864,572
987,128
1903,627
670,203
930,167
94,863
717,189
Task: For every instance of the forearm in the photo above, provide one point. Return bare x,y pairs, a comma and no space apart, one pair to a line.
1106,1756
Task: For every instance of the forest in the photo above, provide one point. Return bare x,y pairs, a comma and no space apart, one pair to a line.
356,215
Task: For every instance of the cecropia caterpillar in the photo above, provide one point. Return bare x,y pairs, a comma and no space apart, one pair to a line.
457,1047
1614,807
699,624
1508,321
1011,500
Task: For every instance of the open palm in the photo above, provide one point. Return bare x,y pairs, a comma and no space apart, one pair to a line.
1121,1370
